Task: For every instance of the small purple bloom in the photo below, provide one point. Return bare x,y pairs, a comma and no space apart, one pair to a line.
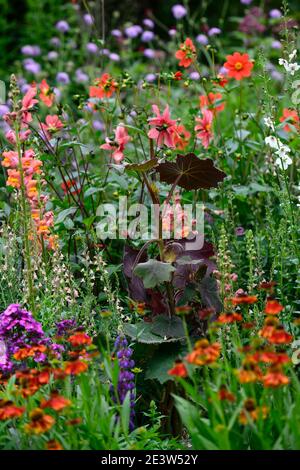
149,53
276,45
239,231
63,78
194,76
116,33
202,39
133,31
27,50
147,36
52,55
104,52
214,31
114,57
179,11
81,77
277,76
62,26
63,327
98,125
246,2
92,48
150,77
88,19
275,13
172,32
4,109
148,23
32,66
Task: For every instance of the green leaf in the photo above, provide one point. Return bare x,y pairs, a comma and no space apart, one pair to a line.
142,333
154,272
162,361
168,327
142,167
63,214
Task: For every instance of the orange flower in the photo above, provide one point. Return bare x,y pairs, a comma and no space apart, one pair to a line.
229,318
275,378
24,353
225,395
179,370
238,65
204,353
105,87
75,367
53,445
181,137
252,412
290,116
56,402
280,336
221,80
270,357
212,101
273,307
243,299
40,422
9,411
186,54
249,374
46,94
74,421
79,339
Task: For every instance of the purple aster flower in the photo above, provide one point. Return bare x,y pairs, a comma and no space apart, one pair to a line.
194,76
246,2
276,44
27,50
114,57
133,31
148,23
32,66
277,75
179,11
275,13
239,231
116,33
62,26
104,52
4,109
55,41
98,125
52,55
149,53
214,31
88,19
172,32
202,39
147,36
63,78
81,77
126,377
92,48
150,77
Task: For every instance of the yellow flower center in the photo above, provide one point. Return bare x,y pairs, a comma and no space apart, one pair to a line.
238,66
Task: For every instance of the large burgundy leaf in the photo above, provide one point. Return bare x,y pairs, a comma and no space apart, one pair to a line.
191,172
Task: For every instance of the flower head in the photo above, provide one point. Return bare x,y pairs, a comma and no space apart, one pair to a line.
238,65
104,87
204,127
117,146
163,127
187,53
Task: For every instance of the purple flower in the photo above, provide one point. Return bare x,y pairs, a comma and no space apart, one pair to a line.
32,66
202,39
4,109
116,33
88,19
214,31
92,48
63,78
63,327
114,57
52,55
133,31
31,50
98,125
147,36
246,2
277,75
55,41
276,45
179,11
149,53
62,26
275,13
150,77
148,23
81,77
194,76
172,32
104,52
239,231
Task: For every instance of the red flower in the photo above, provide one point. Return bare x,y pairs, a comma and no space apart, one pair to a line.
187,53
9,411
40,422
221,80
75,367
229,318
204,353
275,378
212,101
273,307
79,339
53,445
290,116
225,395
181,137
105,87
238,65
244,299
178,75
56,402
46,94
179,370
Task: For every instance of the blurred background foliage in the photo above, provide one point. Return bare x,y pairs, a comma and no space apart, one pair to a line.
25,22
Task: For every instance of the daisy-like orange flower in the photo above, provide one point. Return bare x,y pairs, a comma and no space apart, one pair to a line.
204,353
75,367
270,357
290,116
104,87
273,307
53,445
250,373
56,402
186,53
24,353
181,137
274,333
238,65
212,101
229,318
275,378
79,339
251,412
243,299
8,410
225,395
39,422
179,370
46,94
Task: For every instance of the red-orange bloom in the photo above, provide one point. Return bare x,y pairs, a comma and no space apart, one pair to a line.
75,367
212,101
46,95
187,53
53,445
275,378
243,299
270,357
181,137
229,318
105,87
249,374
79,339
221,80
40,422
273,307
225,395
179,370
204,353
56,402
252,412
9,411
238,65
290,116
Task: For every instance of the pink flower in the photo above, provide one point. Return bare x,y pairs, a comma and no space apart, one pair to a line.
164,127
117,145
11,136
204,128
53,124
28,102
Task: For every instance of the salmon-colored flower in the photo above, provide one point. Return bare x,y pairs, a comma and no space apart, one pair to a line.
46,94
204,353
212,101
52,124
186,54
28,103
104,87
273,307
275,378
179,370
204,127
163,127
56,402
117,146
40,422
290,116
79,339
181,137
238,65
221,80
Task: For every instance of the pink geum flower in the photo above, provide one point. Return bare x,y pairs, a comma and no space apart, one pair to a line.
117,146
46,95
52,125
164,127
28,102
204,128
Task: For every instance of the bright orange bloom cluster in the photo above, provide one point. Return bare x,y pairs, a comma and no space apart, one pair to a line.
29,381
9,411
229,318
273,307
39,422
275,333
243,299
204,353
252,412
179,370
56,402
53,445
186,54
238,65
104,87
79,339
